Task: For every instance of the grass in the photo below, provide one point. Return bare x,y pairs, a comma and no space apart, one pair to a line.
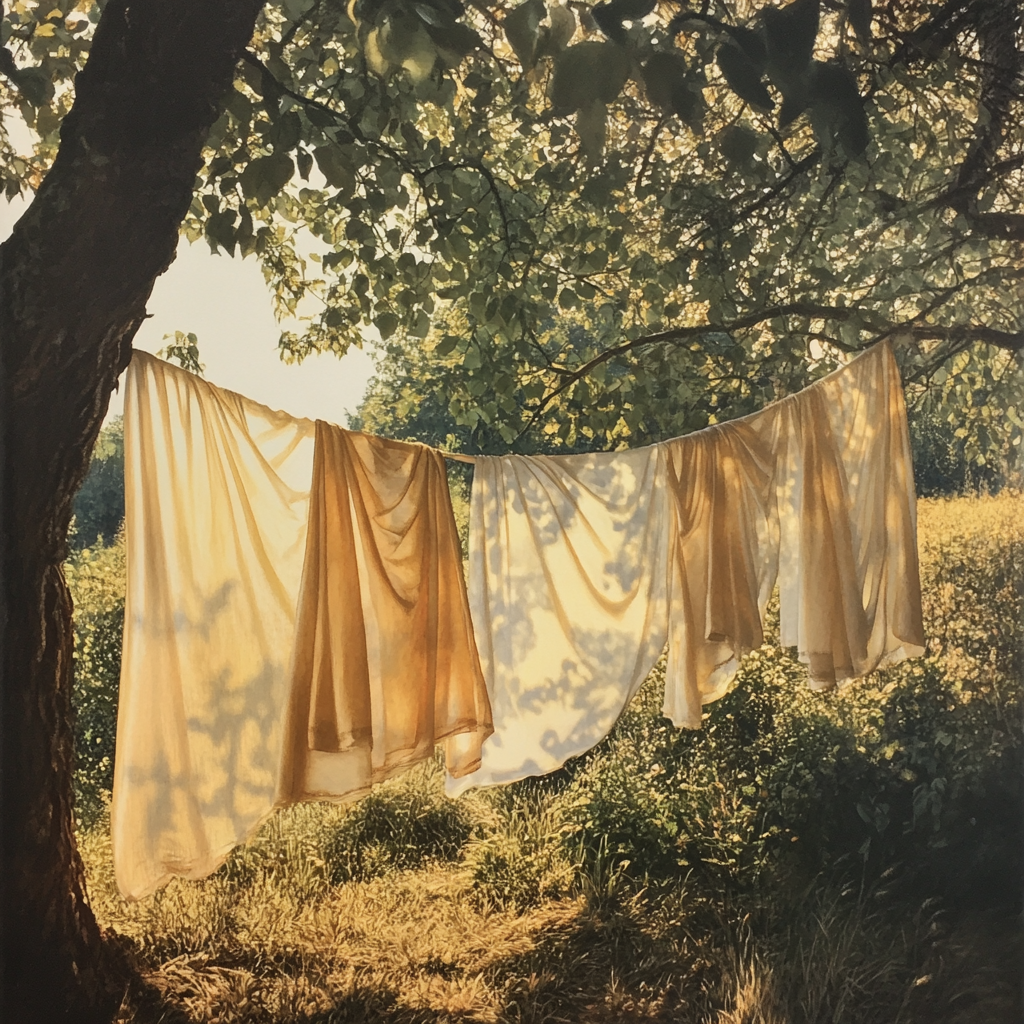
666,877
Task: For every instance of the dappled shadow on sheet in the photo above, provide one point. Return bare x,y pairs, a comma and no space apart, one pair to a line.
216,498
568,559
199,772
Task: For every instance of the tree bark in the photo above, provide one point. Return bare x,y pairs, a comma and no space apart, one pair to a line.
75,277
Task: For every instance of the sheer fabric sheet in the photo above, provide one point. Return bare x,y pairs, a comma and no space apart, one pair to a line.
216,497
568,593
228,705
849,584
385,665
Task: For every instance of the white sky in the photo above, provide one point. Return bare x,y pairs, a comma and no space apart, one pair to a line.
225,302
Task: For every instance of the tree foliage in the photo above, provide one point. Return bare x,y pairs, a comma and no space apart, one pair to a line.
96,576
641,217
99,505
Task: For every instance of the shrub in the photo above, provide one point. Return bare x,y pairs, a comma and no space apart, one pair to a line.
521,859
96,578
400,825
919,764
99,504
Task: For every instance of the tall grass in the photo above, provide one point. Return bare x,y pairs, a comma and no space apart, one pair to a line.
805,858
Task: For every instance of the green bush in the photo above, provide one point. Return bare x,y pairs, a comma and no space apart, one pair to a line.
521,859
96,578
398,826
99,504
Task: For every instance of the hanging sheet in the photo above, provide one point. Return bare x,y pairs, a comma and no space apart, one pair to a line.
724,558
849,585
216,497
568,593
228,705
386,665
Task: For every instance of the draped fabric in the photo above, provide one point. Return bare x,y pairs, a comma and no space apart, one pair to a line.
216,497
849,585
724,559
385,665
231,704
688,539
568,594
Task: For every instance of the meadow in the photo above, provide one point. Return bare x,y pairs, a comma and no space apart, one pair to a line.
849,857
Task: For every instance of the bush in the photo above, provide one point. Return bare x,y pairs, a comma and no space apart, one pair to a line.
521,860
96,578
99,504
398,826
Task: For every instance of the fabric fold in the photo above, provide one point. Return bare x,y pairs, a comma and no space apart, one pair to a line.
214,727
385,661
815,492
849,585
725,558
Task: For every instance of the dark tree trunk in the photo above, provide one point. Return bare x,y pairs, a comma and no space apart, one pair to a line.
75,277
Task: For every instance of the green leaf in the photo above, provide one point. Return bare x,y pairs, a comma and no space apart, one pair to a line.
790,33
403,41
563,28
220,231
610,16
266,176
837,108
737,143
185,350
744,77
286,132
591,122
420,327
586,72
336,167
671,86
859,14
792,107
35,85
386,323
521,30
295,9
454,41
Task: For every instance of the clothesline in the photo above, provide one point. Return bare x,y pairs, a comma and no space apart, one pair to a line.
460,457
297,625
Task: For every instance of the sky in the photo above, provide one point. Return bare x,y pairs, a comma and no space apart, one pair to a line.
224,301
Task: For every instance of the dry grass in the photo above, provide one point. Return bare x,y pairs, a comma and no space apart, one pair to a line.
520,930
423,946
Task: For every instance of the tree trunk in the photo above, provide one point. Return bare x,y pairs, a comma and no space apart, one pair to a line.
75,277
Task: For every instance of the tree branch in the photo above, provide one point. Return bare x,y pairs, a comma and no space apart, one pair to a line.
962,335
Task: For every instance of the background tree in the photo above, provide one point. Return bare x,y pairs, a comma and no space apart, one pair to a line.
99,505
721,200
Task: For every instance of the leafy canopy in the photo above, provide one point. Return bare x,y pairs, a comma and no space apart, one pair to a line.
599,223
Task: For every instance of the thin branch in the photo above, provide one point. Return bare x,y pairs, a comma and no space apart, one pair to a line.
648,153
963,335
